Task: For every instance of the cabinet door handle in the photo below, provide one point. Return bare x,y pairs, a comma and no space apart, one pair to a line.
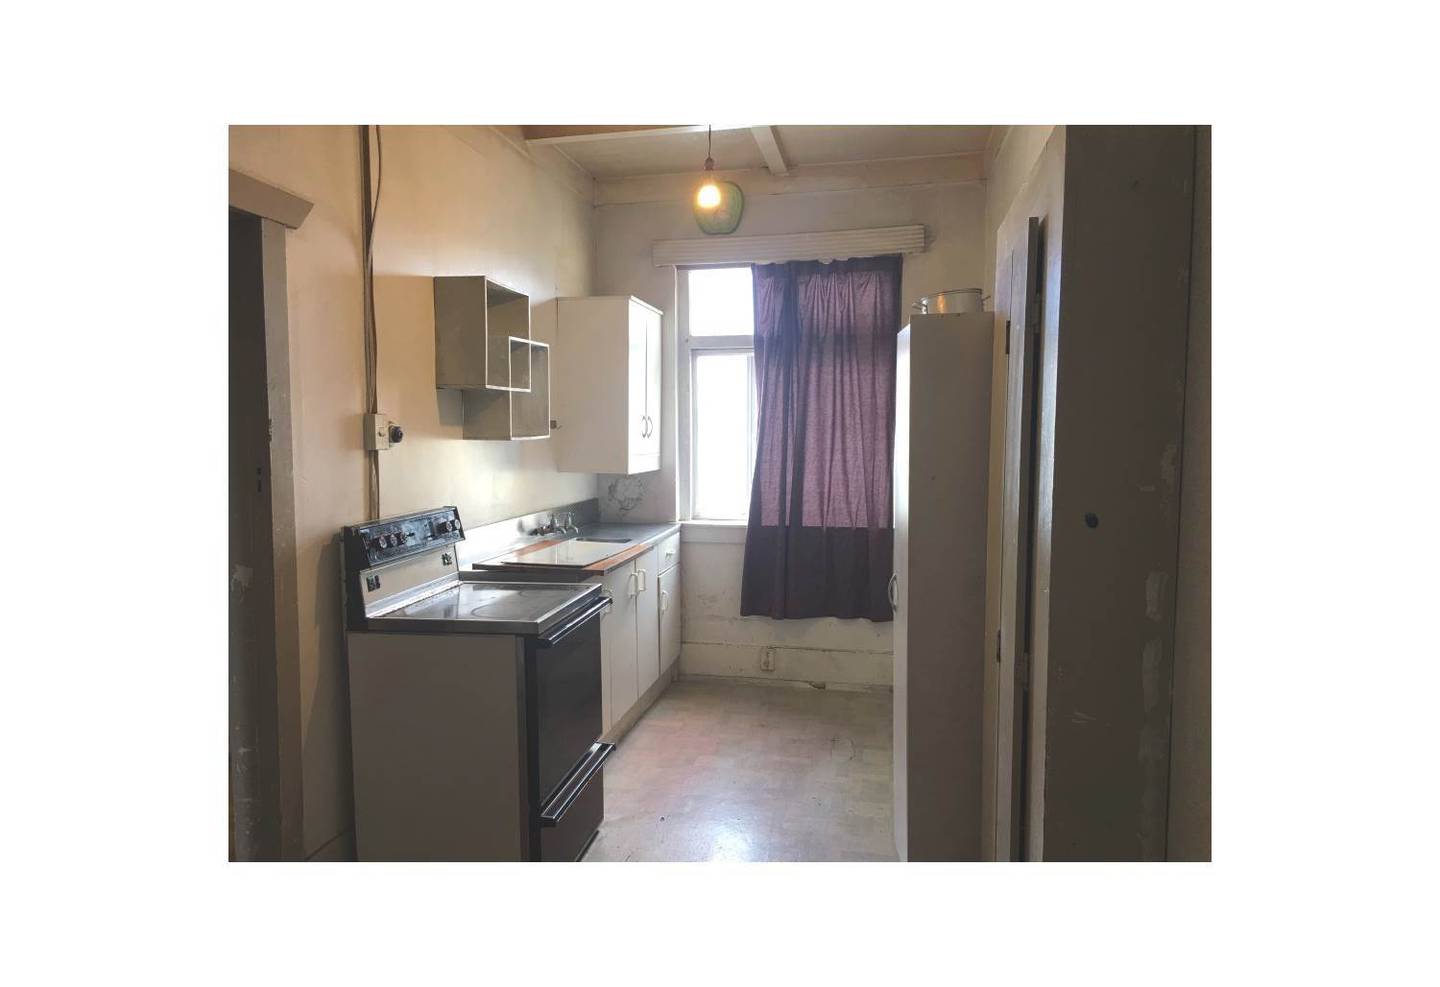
893,591
644,580
634,583
664,600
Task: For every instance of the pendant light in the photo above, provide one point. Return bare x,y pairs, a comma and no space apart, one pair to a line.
718,203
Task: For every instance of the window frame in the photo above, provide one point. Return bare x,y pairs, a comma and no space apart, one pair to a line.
691,347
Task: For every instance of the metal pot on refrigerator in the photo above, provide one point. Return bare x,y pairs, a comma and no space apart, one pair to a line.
949,302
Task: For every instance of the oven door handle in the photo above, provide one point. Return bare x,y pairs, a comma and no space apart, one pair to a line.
568,792
574,623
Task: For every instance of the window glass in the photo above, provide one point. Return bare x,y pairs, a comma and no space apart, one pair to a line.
721,301
724,423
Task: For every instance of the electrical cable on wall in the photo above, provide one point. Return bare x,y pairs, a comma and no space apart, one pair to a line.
369,210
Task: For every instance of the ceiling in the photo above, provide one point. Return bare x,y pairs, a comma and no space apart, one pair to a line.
611,152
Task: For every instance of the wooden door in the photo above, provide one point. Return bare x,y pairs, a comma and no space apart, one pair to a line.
1017,539
617,647
647,621
669,618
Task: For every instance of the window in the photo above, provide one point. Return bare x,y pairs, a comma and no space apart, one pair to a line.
718,310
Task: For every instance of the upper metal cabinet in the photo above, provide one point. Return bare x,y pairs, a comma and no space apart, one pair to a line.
484,348
607,363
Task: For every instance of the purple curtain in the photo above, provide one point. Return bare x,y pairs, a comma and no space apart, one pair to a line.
820,532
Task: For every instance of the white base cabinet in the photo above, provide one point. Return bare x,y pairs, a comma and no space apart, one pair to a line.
618,676
629,637
640,635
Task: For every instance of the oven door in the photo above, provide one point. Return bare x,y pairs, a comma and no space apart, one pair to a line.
564,720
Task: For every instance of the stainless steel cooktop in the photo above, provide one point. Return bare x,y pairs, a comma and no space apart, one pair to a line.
484,607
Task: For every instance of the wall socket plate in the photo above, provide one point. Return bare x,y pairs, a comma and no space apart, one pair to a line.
377,431
767,659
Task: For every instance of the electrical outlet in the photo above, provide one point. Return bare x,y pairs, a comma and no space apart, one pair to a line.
767,659
381,432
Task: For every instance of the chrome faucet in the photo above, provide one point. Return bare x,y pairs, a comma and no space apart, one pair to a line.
558,524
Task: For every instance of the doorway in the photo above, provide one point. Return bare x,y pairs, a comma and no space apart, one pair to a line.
263,768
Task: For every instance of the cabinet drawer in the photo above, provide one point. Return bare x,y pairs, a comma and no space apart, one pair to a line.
667,553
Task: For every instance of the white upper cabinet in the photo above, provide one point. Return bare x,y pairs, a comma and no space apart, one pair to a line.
605,385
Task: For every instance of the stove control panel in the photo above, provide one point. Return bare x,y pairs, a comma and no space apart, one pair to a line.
388,539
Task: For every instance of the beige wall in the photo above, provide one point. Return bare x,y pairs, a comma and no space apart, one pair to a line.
717,639
1009,159
455,201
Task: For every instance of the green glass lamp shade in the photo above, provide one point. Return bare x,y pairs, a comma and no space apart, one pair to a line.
724,216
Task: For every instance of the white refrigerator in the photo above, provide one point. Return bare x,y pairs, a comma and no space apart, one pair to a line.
941,477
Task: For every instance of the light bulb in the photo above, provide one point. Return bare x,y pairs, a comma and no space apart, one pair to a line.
709,196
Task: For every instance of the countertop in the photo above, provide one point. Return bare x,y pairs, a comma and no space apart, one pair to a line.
642,538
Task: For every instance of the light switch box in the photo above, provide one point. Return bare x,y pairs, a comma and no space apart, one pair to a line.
381,432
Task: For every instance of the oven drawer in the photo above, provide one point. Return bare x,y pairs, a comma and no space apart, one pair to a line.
570,819
564,713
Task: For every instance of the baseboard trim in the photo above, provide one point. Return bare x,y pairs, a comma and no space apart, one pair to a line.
787,683
788,662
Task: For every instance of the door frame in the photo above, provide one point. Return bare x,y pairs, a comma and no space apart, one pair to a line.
278,211
1019,304
1026,296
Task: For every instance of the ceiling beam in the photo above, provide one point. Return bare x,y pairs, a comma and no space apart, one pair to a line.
567,134
770,150
896,173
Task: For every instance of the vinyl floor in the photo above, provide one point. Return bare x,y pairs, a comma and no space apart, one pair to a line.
724,771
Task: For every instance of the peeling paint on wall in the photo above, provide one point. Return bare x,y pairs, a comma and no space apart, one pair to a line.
240,579
1169,473
1154,755
1155,584
1150,674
